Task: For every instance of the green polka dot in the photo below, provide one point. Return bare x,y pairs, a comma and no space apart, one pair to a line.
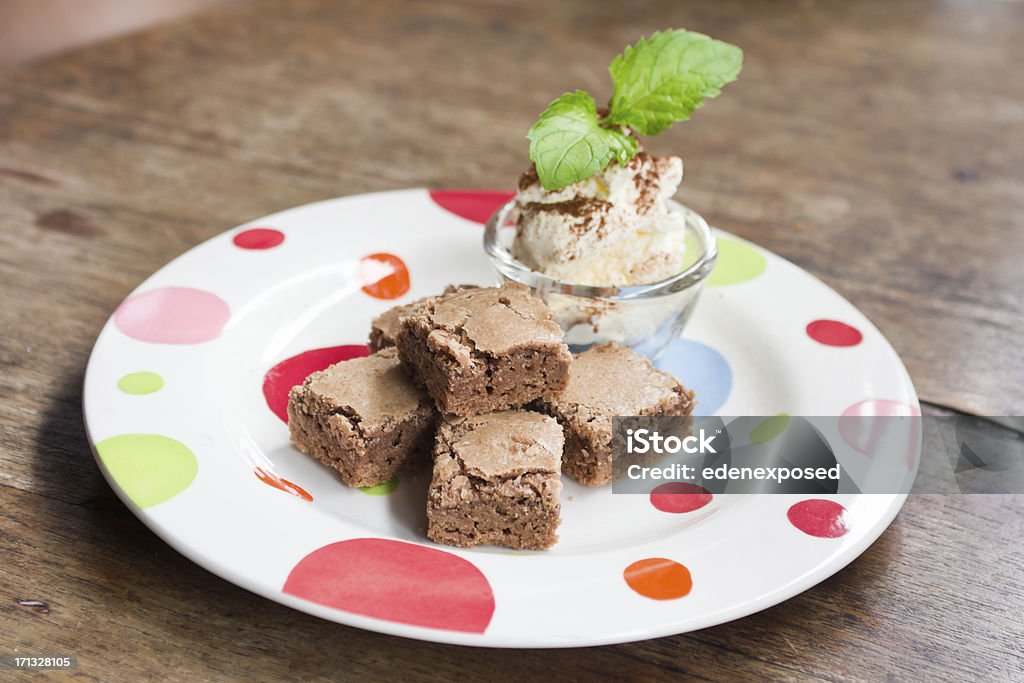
769,429
149,468
138,383
737,262
381,489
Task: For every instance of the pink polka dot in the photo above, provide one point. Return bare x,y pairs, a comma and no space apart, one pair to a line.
473,205
834,333
873,436
280,379
679,496
172,315
396,581
258,238
821,518
881,407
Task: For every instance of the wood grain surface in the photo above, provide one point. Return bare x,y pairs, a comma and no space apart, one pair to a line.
879,145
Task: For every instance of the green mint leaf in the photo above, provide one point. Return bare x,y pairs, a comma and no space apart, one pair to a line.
568,144
662,79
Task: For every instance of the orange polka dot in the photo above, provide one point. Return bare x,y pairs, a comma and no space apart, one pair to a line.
271,479
658,578
386,276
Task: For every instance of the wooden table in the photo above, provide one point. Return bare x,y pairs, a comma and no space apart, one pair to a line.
878,145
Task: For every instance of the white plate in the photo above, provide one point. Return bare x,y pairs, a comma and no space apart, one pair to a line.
176,404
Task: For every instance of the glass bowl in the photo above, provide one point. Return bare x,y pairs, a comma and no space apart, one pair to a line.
646,317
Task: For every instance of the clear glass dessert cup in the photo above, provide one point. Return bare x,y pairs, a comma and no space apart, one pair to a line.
645,317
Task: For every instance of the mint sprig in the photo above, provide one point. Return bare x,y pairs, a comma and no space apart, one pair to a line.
569,144
658,81
664,78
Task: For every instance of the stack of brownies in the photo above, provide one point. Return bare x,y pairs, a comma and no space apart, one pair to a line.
482,377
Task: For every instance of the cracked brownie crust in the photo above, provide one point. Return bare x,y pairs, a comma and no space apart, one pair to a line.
384,328
364,417
481,350
496,481
607,381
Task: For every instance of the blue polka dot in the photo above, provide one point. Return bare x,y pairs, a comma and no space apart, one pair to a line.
703,370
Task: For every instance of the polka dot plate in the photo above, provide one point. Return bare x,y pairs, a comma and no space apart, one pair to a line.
185,405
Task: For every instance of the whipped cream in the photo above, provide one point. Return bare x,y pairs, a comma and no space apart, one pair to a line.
612,229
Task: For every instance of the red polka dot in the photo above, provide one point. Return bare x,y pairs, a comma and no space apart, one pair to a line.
658,578
282,484
173,315
821,518
834,333
385,275
280,379
258,238
473,205
679,496
396,581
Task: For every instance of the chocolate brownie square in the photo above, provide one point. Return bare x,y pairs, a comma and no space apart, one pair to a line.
486,349
607,381
496,481
364,417
384,328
